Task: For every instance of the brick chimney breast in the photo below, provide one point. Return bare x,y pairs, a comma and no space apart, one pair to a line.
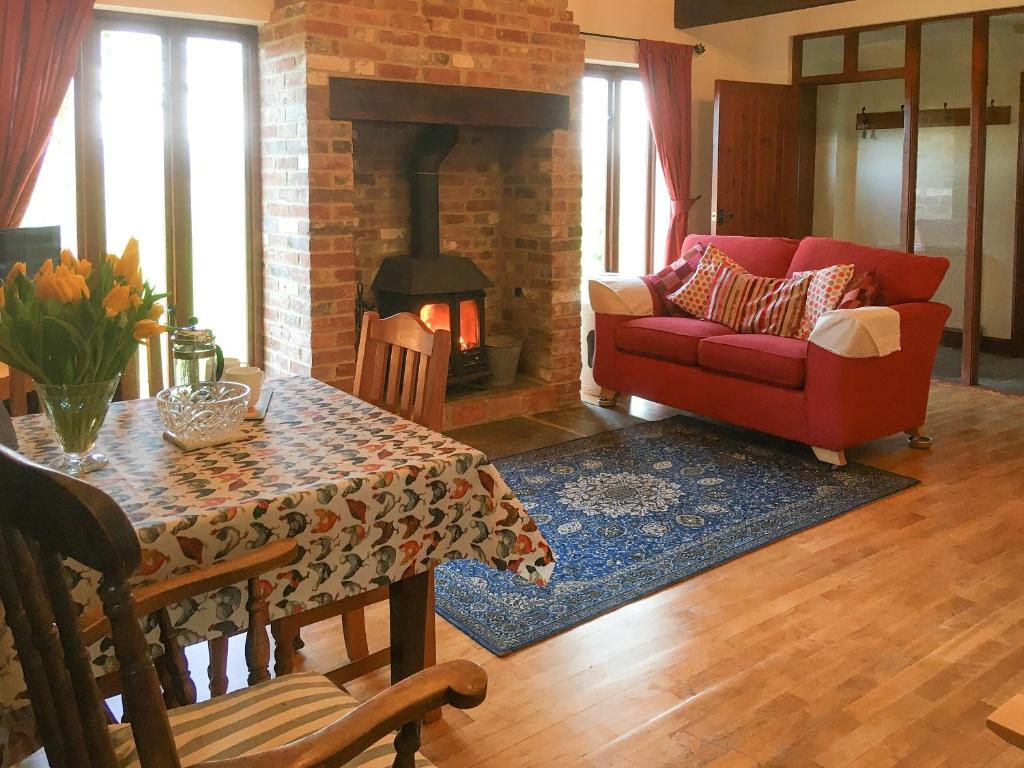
336,193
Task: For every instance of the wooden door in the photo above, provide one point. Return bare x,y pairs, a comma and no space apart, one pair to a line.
758,151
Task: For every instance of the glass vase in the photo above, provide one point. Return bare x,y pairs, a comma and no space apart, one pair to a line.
76,413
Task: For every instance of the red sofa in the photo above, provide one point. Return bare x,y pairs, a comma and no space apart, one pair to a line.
786,387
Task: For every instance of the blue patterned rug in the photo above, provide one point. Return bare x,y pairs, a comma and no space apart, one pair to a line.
628,513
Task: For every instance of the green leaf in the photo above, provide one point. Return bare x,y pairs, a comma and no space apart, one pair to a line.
83,364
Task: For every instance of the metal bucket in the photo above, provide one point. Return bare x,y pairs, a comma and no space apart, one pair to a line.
503,352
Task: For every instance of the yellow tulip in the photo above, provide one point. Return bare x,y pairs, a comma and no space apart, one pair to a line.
46,269
145,329
156,312
78,266
18,269
127,267
117,301
61,285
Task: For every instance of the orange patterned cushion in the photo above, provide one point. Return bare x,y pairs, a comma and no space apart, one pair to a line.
695,294
752,304
828,286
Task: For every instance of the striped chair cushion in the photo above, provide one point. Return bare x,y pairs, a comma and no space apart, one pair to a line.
256,719
751,304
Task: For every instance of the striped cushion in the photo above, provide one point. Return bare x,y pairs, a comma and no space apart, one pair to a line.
256,719
751,304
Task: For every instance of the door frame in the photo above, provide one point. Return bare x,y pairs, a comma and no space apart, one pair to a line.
972,341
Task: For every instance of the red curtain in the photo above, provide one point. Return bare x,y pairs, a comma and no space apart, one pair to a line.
665,69
39,42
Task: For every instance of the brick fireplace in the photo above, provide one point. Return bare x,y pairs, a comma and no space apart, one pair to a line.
336,192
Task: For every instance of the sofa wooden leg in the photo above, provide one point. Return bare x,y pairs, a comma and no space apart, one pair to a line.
608,398
917,440
835,458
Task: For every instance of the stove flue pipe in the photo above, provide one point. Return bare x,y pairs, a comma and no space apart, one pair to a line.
433,146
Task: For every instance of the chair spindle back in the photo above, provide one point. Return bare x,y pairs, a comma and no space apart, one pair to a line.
402,367
45,517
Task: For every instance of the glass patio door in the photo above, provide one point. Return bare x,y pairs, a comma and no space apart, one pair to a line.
155,141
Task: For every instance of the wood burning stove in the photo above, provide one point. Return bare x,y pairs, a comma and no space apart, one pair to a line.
444,290
461,313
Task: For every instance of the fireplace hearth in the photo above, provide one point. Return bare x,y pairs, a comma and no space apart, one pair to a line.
445,290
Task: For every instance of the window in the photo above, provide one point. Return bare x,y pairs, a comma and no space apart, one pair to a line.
155,141
54,197
625,200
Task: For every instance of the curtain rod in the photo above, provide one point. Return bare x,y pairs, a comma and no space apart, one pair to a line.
699,49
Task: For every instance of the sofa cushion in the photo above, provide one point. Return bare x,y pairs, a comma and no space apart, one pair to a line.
752,304
695,295
861,291
764,256
670,279
828,286
667,338
771,359
903,278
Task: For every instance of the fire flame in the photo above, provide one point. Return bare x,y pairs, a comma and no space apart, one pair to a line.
438,317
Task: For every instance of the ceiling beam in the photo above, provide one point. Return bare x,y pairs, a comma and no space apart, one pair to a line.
699,13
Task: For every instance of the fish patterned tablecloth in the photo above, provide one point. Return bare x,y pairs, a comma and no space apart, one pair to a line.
369,497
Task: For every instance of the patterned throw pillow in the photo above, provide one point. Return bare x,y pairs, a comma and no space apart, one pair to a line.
827,288
752,304
861,291
694,296
670,279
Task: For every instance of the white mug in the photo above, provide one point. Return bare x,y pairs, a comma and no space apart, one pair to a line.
229,363
249,375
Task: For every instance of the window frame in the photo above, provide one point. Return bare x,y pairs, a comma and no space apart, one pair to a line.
615,76
91,202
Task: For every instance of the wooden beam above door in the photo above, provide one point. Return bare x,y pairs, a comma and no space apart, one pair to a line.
699,13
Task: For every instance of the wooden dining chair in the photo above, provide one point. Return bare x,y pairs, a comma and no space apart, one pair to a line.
130,385
14,388
300,721
402,367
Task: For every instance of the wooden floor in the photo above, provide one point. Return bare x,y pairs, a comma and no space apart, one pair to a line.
882,638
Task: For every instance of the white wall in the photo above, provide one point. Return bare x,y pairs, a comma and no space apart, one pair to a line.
238,11
858,181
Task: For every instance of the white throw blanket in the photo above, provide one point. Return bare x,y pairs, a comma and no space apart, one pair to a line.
862,332
619,295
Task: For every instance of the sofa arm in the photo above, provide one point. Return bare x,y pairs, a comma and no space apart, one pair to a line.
853,400
620,295
861,332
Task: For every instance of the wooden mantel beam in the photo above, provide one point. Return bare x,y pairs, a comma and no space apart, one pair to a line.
399,102
699,13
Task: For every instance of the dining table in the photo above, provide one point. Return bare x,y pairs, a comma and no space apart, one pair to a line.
369,498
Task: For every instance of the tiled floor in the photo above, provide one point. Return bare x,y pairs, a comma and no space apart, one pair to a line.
1005,374
505,438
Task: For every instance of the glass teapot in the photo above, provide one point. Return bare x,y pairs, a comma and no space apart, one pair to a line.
195,356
